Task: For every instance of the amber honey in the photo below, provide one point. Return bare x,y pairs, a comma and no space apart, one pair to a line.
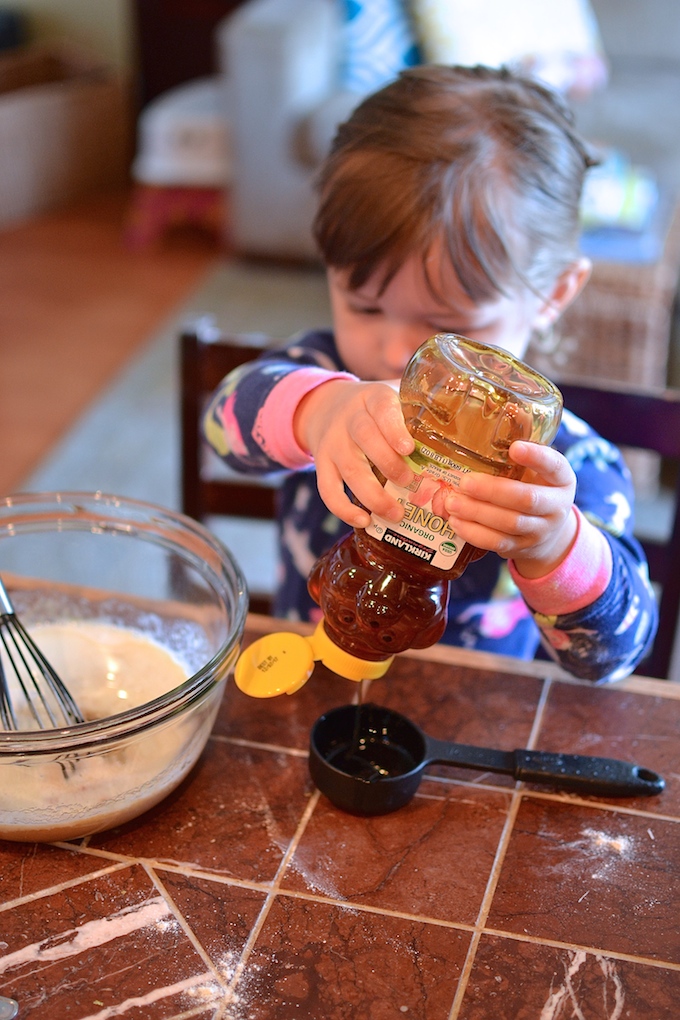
385,589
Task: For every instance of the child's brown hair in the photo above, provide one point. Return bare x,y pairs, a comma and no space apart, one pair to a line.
481,159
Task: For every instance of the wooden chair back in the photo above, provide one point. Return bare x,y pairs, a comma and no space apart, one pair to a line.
206,356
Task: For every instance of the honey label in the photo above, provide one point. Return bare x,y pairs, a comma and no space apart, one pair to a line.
424,531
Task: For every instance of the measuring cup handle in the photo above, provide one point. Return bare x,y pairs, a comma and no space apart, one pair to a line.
601,777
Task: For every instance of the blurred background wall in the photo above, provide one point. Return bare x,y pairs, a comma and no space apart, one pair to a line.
101,26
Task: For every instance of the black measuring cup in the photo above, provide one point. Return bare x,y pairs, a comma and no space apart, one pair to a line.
369,760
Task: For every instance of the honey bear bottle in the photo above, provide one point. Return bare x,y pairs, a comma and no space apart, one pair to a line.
385,589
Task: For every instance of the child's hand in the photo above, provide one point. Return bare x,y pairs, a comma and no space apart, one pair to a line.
346,426
528,521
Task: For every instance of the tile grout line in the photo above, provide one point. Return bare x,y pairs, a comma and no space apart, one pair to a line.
269,901
259,745
517,796
540,711
184,924
152,864
496,867
510,936
558,797
486,904
537,940
357,907
606,807
61,886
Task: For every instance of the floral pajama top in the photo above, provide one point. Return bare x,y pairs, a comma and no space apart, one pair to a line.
596,614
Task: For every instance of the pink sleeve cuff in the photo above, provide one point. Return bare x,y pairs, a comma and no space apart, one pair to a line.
273,429
578,581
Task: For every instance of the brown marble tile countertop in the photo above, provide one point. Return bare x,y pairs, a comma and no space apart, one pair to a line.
246,896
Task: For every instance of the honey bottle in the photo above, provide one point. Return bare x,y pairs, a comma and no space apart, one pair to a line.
385,588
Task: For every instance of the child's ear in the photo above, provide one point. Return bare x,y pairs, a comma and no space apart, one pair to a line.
568,286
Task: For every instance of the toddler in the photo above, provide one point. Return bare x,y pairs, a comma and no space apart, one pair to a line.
449,203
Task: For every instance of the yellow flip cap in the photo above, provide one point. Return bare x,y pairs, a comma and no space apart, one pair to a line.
283,662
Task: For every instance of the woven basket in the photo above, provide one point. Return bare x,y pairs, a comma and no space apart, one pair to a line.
619,329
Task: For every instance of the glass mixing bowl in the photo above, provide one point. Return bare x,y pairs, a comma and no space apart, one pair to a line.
76,562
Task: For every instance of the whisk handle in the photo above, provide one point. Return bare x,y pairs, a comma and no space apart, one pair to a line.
6,607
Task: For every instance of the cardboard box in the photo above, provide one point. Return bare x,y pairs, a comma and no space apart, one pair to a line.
64,130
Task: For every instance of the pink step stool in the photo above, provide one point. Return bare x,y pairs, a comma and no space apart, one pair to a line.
182,166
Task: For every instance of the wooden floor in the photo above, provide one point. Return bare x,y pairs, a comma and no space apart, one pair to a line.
75,305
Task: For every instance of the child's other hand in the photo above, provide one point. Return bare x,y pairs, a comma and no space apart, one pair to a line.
528,521
346,426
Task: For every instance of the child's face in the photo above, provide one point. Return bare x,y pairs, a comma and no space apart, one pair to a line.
377,334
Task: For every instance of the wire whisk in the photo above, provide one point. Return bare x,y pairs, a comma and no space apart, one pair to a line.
30,688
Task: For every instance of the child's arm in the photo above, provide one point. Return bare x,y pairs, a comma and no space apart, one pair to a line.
296,407
346,426
592,600
249,420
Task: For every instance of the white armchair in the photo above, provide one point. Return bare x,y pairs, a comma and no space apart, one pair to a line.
282,67
280,60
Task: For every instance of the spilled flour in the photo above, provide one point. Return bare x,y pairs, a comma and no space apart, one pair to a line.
609,851
621,845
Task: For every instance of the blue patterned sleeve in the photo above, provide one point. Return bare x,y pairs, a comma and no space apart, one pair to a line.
229,421
606,640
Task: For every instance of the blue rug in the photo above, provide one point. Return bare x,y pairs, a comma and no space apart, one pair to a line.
127,442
